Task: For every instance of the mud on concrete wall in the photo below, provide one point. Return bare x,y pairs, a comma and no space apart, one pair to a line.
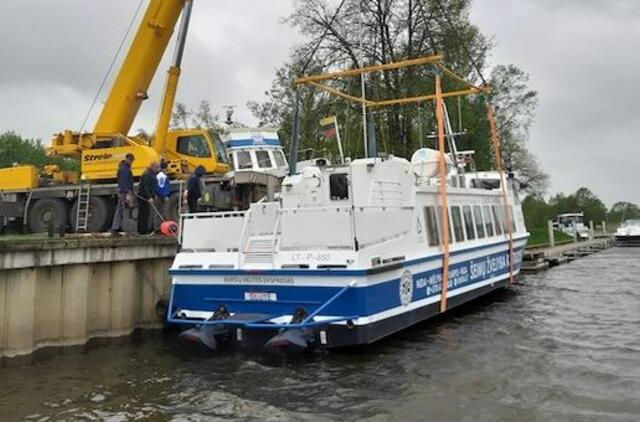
101,289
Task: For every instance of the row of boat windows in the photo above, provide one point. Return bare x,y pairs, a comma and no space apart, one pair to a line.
469,222
243,159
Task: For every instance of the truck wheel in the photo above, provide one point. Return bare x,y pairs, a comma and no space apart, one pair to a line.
48,211
100,214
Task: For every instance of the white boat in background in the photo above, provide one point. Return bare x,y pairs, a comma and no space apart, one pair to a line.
628,234
572,223
255,150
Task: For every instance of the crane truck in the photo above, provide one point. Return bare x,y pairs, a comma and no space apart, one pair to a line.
38,198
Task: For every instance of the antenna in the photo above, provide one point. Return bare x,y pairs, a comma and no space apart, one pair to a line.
363,92
230,108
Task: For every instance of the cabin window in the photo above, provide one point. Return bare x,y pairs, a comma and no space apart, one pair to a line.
456,217
279,157
338,187
220,148
504,219
487,220
477,215
193,146
496,219
264,162
433,237
468,222
243,160
441,222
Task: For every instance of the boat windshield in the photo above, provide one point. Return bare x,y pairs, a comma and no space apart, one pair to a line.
568,220
630,223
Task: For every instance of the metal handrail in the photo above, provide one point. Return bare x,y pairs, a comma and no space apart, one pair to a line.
243,238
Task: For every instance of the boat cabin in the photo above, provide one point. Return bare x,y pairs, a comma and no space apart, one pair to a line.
256,150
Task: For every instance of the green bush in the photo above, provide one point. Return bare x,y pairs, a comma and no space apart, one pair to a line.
15,149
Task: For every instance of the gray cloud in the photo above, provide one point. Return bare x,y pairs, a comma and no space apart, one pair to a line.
56,53
581,54
581,57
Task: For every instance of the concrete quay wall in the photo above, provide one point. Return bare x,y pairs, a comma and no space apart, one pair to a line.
64,292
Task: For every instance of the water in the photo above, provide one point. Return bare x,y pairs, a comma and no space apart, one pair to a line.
561,345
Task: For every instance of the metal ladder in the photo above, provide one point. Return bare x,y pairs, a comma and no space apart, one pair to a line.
82,217
260,250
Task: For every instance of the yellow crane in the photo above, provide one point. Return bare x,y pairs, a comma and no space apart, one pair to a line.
38,198
101,150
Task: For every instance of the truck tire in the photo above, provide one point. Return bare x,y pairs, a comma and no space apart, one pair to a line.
48,211
100,214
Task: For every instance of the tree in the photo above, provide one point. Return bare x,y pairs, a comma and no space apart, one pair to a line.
537,211
368,32
392,30
583,200
17,150
515,104
621,211
201,118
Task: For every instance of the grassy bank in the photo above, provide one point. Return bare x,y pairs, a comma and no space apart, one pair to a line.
540,237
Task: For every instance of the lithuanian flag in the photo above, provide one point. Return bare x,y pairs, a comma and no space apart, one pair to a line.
328,126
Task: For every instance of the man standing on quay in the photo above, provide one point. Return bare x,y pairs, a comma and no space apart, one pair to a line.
125,193
194,188
163,193
146,195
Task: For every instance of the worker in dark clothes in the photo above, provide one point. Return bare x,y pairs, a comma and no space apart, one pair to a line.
146,195
194,189
125,193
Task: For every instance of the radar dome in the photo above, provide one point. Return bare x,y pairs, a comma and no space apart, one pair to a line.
425,162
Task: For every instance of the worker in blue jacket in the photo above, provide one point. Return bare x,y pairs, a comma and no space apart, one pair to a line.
163,193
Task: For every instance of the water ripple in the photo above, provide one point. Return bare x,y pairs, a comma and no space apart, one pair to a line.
560,345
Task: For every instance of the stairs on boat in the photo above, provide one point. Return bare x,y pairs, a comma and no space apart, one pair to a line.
260,250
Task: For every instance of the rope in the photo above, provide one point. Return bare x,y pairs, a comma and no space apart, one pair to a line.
155,209
444,206
495,140
113,62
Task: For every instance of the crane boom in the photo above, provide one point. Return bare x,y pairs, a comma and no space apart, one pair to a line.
101,151
171,85
139,67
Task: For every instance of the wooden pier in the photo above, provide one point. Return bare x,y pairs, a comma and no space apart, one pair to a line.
538,258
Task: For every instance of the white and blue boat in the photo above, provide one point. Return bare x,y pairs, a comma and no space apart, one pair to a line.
256,150
346,254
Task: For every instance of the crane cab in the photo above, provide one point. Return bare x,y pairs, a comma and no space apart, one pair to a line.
197,147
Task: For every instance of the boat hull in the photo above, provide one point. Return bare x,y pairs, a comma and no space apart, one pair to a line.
628,240
345,307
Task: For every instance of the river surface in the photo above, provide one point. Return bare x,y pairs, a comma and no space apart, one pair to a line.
560,345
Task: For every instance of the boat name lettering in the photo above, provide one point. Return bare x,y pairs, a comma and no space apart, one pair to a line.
489,266
256,279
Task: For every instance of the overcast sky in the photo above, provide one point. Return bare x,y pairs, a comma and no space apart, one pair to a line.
583,57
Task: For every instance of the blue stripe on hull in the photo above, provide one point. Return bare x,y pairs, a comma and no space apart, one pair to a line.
361,301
